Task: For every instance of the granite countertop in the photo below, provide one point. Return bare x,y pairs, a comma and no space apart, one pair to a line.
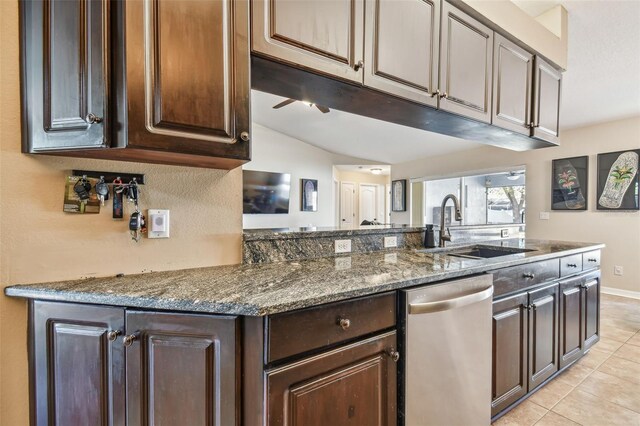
268,288
316,232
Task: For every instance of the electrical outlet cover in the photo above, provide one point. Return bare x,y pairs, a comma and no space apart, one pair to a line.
390,242
618,270
342,246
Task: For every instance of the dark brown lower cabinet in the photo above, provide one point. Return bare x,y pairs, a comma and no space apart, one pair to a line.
181,369
591,317
571,313
510,348
543,334
76,366
352,385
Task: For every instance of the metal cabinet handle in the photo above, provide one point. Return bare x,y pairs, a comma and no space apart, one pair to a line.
358,65
113,335
393,354
92,118
344,323
434,94
244,136
572,265
529,275
129,339
592,260
447,304
443,95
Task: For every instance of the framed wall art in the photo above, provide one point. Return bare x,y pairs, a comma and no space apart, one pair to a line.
618,180
399,195
309,191
569,183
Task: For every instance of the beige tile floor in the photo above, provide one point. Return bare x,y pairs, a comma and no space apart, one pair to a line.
603,388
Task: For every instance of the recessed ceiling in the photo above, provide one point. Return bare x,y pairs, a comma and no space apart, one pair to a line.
602,81
385,169
349,134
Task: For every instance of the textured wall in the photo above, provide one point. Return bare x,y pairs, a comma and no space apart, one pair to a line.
620,231
41,243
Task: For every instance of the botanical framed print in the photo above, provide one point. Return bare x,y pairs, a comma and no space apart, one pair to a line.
569,183
309,195
399,195
618,180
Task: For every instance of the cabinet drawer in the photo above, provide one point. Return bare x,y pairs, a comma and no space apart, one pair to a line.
570,265
590,260
296,332
512,279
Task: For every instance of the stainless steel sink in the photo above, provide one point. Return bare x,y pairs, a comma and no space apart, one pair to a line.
486,252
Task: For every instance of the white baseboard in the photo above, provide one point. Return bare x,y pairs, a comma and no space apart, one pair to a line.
623,293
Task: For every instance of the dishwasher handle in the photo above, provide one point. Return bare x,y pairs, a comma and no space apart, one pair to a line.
448,304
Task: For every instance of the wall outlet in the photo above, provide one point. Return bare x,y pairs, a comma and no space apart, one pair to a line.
544,215
390,242
618,270
504,233
343,246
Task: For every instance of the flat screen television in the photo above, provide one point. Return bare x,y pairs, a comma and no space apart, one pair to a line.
265,192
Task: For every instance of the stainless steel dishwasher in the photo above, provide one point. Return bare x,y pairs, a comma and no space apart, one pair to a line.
446,373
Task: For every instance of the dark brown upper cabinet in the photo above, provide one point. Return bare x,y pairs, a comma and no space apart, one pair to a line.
325,36
465,65
402,48
65,73
149,81
547,86
512,86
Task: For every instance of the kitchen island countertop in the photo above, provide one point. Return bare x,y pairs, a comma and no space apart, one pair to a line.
269,288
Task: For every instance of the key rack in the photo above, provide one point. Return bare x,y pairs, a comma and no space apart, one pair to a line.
109,177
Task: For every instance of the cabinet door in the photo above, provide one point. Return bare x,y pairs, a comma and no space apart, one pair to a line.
509,378
465,65
401,48
546,101
187,77
543,334
591,311
181,369
512,81
77,364
352,385
323,35
64,74
571,314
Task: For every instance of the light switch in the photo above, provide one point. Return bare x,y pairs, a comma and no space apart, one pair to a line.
158,223
544,215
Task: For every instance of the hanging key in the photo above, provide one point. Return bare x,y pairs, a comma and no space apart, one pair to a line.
132,192
102,189
82,188
135,226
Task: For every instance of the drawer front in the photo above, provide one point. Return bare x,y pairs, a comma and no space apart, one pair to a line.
590,260
570,265
296,332
516,278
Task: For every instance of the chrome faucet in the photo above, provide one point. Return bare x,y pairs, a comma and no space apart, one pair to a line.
456,204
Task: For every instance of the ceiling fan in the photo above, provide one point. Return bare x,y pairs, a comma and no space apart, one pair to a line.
322,108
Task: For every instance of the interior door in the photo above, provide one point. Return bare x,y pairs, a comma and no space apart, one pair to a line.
326,36
547,87
466,63
368,203
510,345
65,73
512,86
401,48
77,372
181,369
543,334
347,203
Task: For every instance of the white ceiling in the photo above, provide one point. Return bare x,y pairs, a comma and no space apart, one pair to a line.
602,81
386,169
349,134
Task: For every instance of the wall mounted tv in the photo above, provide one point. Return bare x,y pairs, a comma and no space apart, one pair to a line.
265,192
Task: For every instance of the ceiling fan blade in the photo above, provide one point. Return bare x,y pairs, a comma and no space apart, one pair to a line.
284,103
323,108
